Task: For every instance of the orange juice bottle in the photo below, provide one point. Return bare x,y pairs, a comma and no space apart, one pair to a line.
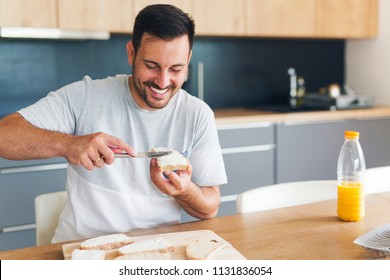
350,176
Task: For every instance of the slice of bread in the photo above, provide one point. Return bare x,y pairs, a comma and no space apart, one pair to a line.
202,249
78,254
106,242
157,248
173,161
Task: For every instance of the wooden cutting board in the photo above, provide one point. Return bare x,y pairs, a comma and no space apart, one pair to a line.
180,240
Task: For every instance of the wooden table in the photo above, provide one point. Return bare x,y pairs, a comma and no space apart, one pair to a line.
306,232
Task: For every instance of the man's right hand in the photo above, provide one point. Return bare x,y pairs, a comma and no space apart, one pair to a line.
95,150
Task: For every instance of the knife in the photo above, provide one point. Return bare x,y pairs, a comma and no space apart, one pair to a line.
144,154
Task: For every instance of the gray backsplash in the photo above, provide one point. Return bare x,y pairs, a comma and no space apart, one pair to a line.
237,71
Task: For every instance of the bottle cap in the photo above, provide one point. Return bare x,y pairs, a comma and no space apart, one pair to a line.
351,134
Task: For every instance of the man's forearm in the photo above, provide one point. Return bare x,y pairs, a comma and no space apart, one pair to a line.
201,202
21,140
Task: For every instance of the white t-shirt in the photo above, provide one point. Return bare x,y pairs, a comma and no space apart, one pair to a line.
121,196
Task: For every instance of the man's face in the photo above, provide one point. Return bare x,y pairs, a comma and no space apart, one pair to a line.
159,69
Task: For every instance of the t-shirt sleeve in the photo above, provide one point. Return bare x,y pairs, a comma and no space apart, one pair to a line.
59,110
206,157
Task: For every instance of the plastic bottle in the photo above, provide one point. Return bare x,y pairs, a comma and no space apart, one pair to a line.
351,169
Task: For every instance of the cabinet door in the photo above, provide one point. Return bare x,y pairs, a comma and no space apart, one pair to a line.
185,5
219,17
346,18
281,18
309,151
374,138
28,13
103,15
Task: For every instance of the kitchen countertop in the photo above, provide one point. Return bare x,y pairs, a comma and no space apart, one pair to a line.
243,115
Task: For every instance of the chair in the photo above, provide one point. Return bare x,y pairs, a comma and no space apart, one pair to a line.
377,179
48,208
285,194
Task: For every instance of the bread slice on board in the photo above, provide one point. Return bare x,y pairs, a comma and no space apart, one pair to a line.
149,249
106,242
78,254
203,249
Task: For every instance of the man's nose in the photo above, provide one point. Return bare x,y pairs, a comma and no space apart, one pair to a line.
163,79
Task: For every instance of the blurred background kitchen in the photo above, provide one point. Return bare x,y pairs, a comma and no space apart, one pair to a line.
247,54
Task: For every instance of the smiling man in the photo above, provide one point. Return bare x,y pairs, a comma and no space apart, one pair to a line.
86,121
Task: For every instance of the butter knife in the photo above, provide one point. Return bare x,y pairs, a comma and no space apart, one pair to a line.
144,154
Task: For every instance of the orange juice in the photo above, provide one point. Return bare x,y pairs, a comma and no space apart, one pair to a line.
350,202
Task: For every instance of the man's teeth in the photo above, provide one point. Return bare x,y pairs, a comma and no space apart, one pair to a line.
159,91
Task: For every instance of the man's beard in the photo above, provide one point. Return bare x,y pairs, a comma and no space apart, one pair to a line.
151,102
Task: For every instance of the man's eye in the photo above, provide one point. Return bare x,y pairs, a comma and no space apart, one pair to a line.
176,69
151,66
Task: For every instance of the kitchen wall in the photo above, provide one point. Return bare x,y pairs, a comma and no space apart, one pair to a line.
368,61
237,71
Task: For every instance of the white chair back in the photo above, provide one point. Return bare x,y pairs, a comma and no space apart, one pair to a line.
377,179
285,194
48,208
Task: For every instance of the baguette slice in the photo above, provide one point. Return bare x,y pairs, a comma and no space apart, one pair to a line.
78,254
106,242
149,249
173,161
202,249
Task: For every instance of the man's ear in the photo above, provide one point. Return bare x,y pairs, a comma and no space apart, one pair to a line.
130,52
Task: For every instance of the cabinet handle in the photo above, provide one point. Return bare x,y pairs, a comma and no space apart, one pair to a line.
248,149
35,168
18,228
243,125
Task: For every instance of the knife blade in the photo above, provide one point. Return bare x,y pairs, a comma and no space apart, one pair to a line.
144,154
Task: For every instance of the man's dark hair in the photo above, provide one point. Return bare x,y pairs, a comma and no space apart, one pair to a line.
163,21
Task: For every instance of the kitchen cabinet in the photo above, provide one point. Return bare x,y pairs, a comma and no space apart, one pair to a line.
374,139
248,151
102,15
20,183
185,5
281,18
312,18
259,18
30,13
310,150
219,17
346,18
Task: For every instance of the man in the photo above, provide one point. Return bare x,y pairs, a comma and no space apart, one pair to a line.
87,121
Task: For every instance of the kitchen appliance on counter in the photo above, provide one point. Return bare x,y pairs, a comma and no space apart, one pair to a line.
331,97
